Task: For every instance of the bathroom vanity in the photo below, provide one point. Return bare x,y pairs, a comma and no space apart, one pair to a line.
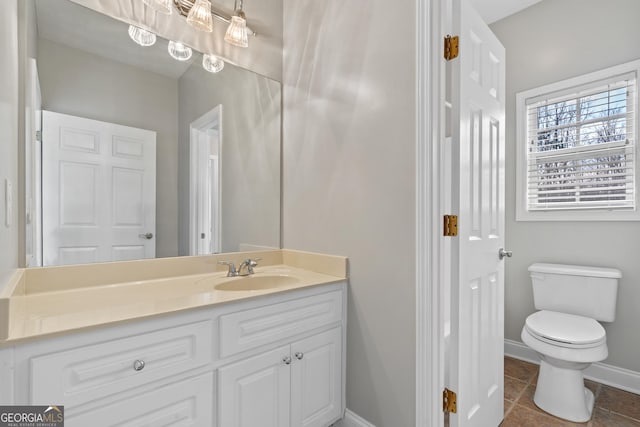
189,349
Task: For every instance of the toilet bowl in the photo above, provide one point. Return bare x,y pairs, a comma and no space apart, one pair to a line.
566,334
567,344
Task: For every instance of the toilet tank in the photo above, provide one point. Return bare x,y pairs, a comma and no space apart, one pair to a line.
575,289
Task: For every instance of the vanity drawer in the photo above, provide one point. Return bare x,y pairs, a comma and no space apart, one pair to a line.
244,330
184,403
83,374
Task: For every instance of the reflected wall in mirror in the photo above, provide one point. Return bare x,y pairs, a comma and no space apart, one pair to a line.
131,154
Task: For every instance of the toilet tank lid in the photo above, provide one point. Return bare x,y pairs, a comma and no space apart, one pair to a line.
575,270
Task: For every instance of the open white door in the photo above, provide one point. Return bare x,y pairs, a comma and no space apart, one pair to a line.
98,191
32,172
204,177
477,291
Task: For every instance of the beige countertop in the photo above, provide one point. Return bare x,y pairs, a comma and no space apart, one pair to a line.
30,309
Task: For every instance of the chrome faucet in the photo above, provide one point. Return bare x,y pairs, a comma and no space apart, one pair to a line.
232,268
245,269
249,264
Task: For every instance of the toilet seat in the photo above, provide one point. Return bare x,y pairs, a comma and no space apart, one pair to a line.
565,330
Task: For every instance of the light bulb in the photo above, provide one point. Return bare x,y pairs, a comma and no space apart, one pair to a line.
237,33
212,63
179,51
141,36
199,16
162,6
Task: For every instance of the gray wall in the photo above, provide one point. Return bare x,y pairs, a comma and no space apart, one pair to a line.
250,152
551,41
86,85
8,135
349,150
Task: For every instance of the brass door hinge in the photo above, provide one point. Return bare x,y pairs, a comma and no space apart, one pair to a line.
449,403
450,225
451,47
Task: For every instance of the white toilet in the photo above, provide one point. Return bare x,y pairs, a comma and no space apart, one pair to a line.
566,334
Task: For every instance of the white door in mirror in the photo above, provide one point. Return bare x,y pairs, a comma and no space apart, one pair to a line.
99,191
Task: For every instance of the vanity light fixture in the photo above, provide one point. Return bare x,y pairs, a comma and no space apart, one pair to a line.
199,17
141,36
212,63
237,33
179,51
162,6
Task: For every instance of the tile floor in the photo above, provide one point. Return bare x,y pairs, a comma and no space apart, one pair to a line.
613,407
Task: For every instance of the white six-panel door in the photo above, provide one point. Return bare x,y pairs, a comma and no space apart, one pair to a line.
98,191
478,85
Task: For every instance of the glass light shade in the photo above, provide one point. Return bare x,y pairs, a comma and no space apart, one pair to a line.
237,33
141,36
212,63
179,51
162,6
199,16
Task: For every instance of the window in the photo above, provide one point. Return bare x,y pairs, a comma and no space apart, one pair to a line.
577,148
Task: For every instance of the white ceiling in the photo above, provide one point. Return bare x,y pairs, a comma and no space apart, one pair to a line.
494,10
58,20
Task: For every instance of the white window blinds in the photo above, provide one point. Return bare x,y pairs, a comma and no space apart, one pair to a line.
581,147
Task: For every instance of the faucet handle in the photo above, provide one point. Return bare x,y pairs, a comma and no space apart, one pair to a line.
250,263
232,268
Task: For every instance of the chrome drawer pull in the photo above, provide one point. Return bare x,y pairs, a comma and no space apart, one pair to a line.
299,355
138,365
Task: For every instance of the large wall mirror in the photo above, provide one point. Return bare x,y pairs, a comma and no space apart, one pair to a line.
132,154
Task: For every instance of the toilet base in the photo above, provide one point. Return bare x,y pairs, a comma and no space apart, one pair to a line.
561,391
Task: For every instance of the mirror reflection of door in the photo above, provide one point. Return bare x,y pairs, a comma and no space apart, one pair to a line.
99,191
32,154
204,220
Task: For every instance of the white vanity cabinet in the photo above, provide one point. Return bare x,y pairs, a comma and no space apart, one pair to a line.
295,385
274,360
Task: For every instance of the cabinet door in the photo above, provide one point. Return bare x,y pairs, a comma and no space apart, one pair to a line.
316,379
256,391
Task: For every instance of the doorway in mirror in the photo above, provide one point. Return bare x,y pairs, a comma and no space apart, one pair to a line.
204,216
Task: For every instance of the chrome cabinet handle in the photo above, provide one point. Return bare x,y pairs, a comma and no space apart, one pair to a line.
286,360
147,236
502,253
138,365
299,355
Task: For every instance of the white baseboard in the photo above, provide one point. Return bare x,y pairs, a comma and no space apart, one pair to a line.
351,419
621,378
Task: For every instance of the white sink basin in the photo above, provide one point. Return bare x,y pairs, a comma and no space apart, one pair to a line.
256,282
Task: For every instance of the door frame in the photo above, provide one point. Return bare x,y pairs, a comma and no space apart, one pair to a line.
431,27
201,124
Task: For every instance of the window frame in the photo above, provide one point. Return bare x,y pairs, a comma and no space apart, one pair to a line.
553,90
